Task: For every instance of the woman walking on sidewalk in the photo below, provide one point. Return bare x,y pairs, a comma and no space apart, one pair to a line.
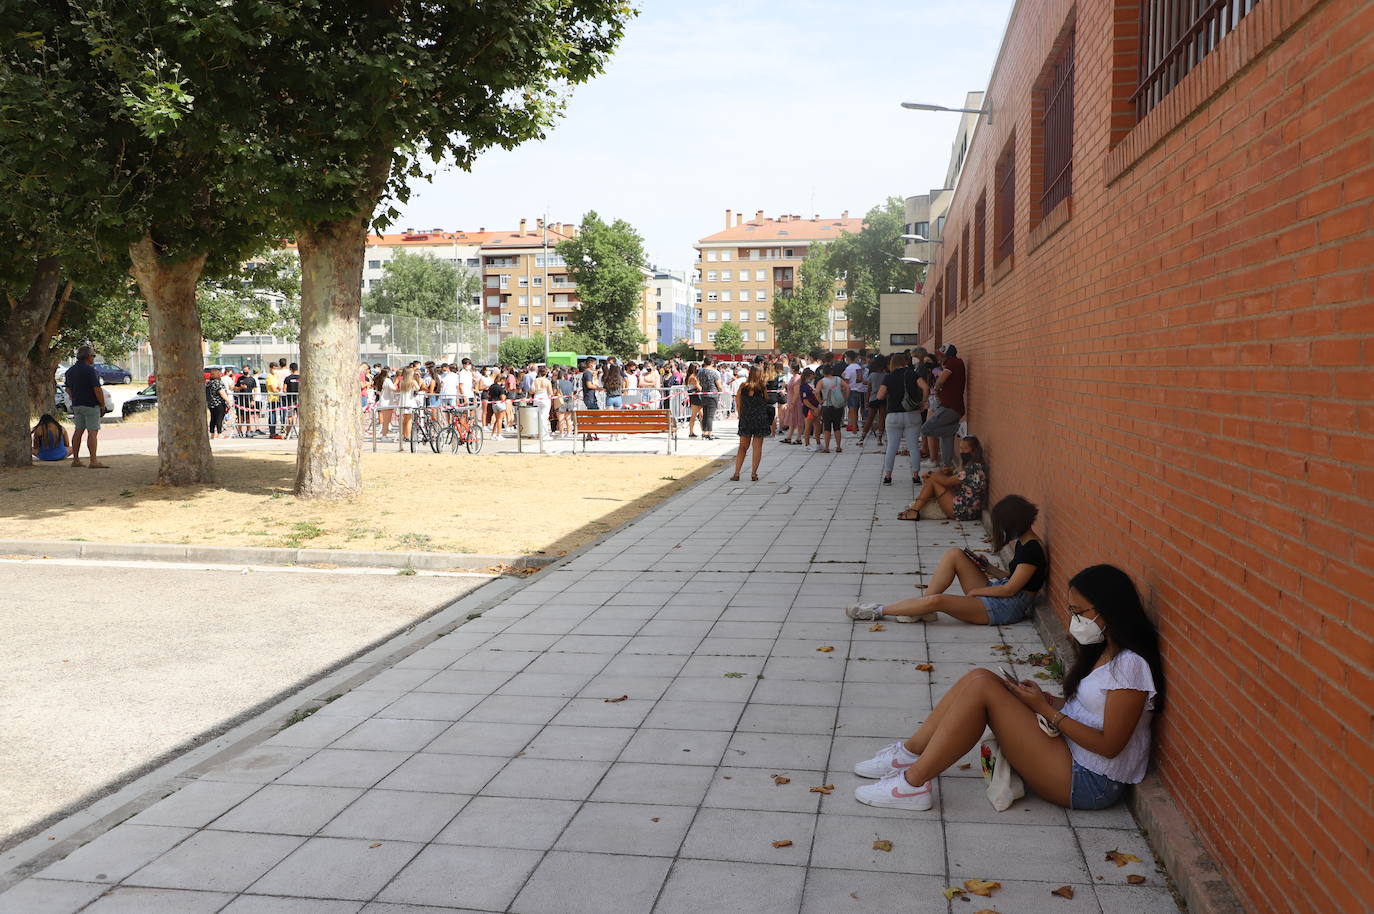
751,402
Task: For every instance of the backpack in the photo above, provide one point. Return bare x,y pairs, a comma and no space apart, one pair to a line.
910,402
834,393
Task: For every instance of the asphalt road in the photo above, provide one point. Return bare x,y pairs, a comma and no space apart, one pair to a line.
107,667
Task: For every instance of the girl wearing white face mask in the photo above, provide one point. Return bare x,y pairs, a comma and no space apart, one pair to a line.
1112,691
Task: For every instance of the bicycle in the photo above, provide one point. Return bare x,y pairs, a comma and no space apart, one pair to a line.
461,431
424,430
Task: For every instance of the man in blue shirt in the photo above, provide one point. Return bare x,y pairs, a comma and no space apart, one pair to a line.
88,402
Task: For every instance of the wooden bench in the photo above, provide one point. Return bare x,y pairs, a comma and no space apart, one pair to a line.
625,422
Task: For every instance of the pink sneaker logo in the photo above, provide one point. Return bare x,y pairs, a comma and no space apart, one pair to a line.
901,766
906,796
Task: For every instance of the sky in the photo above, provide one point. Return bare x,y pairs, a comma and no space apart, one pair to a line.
708,105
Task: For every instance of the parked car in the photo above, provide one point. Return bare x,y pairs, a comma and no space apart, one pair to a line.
229,371
145,399
112,374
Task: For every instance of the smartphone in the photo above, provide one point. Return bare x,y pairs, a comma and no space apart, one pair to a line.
979,560
1007,676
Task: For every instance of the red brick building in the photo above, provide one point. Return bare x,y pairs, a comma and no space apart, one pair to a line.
1157,265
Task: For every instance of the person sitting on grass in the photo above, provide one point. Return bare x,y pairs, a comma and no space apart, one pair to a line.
959,495
986,600
50,441
1111,694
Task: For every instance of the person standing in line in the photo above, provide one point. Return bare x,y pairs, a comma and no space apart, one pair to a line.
858,391
613,381
567,404
710,394
408,401
385,387
795,413
811,410
773,395
448,387
650,382
751,403
903,395
833,393
542,392
693,384
216,401
949,390
291,397
877,409
86,393
590,385
244,389
271,382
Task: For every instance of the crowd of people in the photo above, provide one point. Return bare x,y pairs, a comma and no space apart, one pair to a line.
261,402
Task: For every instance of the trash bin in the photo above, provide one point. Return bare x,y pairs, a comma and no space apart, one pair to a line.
527,421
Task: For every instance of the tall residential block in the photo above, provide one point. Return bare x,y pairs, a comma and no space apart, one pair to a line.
740,269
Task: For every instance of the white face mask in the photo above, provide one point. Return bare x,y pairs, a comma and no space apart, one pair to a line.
1085,631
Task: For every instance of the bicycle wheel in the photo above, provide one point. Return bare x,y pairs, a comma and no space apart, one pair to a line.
416,433
476,434
446,439
432,435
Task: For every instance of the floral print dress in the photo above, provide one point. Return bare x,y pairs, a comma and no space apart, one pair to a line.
973,492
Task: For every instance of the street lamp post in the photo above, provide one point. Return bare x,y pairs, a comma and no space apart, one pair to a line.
544,294
921,106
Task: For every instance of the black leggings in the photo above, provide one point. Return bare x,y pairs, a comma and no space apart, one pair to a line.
708,413
217,419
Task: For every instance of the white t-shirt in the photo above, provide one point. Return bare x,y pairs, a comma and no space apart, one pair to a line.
1127,670
448,384
464,382
388,398
854,374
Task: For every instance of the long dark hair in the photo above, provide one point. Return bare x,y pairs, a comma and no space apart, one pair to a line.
1112,593
975,450
1011,518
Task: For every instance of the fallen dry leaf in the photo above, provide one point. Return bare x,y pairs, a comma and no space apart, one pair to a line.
1133,879
1119,858
1001,647
986,911
782,843
981,887
885,846
612,701
1064,891
877,627
950,892
925,667
826,789
855,895
378,844
654,819
966,766
780,780
825,650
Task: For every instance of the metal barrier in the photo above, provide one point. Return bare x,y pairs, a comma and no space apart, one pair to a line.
263,415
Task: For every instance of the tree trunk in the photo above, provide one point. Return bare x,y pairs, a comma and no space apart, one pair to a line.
328,462
169,288
43,359
18,332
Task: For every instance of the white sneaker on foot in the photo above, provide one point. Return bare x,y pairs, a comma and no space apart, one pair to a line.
890,760
895,793
864,612
928,617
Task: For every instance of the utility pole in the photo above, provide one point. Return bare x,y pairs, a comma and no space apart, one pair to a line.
548,327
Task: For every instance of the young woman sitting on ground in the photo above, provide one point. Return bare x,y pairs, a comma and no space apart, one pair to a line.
50,441
1111,693
986,600
959,495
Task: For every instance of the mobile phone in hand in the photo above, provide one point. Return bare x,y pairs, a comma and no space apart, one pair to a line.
977,559
1007,675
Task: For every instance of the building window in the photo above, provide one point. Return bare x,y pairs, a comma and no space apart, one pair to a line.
963,267
760,294
787,252
711,256
1052,137
523,282
713,296
1004,204
524,319
725,315
711,275
474,262
951,283
504,280
505,320
980,231
760,276
560,318
711,337
761,316
494,301
698,296
726,275
744,317
536,300
725,295
538,280
524,301
374,264
725,256
711,315
539,318
761,335
1174,37
841,294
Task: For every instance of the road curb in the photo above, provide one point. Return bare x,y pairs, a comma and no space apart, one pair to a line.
252,555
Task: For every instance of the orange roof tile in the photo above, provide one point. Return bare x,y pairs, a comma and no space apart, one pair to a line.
531,237
789,230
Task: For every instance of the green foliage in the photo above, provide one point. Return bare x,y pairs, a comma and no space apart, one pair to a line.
263,296
572,341
678,351
728,339
869,260
605,260
519,351
801,315
420,285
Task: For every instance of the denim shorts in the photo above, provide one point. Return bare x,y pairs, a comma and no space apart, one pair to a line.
1006,610
856,399
1091,790
86,418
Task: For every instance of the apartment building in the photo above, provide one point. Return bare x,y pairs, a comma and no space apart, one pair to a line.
462,249
739,270
525,284
674,304
1156,265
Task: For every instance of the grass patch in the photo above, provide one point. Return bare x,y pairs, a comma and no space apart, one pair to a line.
406,571
302,531
418,541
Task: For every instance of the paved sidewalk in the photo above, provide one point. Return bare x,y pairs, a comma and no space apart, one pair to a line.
605,741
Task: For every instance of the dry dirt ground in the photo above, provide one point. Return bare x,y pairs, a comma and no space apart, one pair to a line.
411,502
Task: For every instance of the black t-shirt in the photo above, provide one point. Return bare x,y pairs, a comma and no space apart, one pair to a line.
245,384
587,379
81,381
1031,553
495,391
923,373
898,384
292,383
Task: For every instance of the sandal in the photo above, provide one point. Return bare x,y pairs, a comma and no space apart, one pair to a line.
910,514
754,477
735,478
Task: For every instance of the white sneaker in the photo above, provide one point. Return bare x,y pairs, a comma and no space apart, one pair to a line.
864,612
895,793
890,760
928,617
813,448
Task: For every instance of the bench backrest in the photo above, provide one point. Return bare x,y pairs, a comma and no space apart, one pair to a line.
622,421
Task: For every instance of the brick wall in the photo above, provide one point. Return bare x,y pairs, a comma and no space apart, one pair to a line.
1177,368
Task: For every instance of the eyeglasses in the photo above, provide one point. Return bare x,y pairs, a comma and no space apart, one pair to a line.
1075,610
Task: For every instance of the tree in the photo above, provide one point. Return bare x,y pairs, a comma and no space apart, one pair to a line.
423,286
678,351
572,341
728,339
262,296
521,350
870,262
801,314
605,261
